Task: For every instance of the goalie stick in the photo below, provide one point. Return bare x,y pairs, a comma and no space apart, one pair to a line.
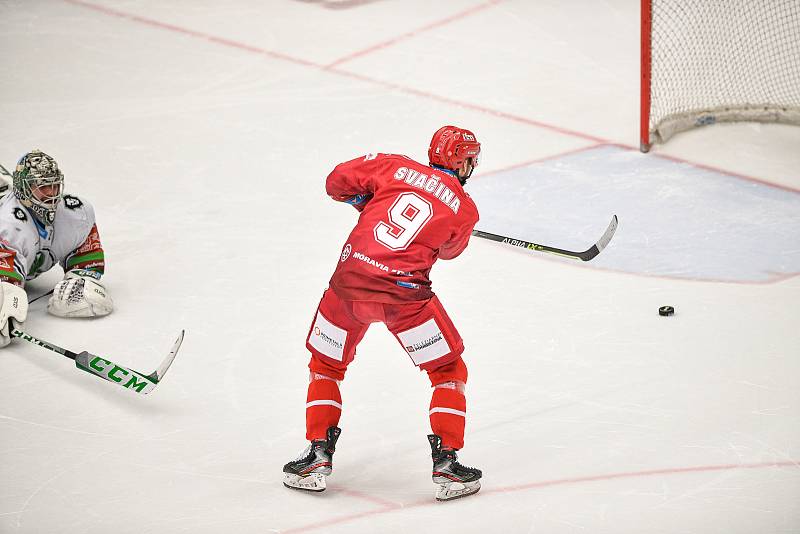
41,296
96,365
586,255
108,370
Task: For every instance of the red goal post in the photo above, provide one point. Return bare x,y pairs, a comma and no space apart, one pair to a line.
708,61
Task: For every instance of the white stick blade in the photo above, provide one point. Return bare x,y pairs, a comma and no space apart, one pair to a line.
159,373
612,227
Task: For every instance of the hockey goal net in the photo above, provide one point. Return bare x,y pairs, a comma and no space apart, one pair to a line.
707,61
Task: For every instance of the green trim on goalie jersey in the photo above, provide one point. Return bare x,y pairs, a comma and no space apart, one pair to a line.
94,256
11,274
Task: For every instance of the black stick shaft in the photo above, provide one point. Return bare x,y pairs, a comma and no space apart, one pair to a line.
42,343
526,244
585,255
41,296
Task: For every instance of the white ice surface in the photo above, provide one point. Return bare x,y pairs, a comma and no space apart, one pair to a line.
202,131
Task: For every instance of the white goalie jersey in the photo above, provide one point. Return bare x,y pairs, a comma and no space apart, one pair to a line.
71,241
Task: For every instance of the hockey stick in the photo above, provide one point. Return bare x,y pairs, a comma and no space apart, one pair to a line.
586,255
108,370
41,296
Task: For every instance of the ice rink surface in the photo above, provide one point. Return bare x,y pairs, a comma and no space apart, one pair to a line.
202,133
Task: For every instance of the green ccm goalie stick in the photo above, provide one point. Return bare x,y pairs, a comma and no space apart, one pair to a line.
96,365
586,255
108,370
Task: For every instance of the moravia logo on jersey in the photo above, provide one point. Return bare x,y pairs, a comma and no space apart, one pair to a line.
367,259
346,252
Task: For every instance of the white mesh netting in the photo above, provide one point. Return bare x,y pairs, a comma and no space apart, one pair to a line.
723,60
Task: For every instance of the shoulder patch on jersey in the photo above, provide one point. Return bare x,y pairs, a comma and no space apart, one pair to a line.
20,214
72,203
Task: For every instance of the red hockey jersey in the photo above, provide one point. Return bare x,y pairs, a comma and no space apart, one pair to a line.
412,214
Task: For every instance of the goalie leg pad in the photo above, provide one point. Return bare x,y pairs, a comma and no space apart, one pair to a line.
80,294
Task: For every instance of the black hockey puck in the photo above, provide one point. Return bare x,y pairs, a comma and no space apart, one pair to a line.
665,311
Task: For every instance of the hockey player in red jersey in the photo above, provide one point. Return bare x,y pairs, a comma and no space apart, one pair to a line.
411,215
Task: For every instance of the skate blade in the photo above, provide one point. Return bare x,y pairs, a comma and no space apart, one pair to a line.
312,482
456,490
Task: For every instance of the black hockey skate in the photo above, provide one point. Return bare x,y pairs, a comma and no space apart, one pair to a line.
454,479
308,472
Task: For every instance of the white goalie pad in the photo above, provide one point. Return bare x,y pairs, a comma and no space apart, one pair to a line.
80,294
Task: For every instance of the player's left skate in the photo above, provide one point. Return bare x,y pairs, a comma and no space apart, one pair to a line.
308,472
454,480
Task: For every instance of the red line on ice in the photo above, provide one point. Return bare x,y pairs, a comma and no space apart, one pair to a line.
393,507
412,33
397,87
285,57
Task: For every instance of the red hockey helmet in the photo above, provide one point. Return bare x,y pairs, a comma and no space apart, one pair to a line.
451,145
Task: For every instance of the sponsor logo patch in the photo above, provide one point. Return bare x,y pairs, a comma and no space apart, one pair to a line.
19,214
425,342
91,244
7,259
72,203
346,252
327,338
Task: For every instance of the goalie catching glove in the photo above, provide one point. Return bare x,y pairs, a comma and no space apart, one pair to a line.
80,294
13,305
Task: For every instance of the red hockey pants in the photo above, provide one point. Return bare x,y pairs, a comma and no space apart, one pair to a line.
424,331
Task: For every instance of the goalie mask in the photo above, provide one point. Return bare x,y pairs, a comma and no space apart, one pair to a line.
39,185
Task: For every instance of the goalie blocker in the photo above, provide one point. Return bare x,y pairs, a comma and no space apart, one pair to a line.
13,307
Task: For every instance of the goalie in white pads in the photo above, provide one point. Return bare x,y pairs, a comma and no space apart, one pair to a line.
40,227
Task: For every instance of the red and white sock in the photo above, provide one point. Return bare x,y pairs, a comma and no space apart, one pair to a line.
448,412
323,406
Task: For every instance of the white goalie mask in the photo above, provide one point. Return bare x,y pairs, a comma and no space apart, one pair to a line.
39,185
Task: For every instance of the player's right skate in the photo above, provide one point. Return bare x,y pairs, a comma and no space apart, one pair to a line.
454,480
308,472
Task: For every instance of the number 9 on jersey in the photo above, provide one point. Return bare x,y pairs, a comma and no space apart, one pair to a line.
407,216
